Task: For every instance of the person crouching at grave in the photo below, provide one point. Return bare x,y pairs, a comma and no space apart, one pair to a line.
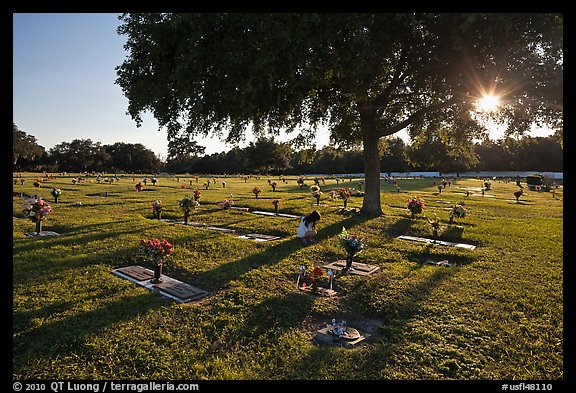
307,228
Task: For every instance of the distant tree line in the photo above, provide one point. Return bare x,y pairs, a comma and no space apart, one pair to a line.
265,156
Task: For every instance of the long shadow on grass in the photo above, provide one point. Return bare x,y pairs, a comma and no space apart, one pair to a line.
77,237
217,278
273,316
395,316
68,334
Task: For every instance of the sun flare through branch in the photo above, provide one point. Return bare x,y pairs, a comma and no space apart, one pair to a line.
488,103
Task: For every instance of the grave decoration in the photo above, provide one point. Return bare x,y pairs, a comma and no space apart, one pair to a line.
197,194
187,204
415,205
352,244
157,252
309,281
56,192
344,194
139,187
316,193
37,209
157,207
341,330
315,275
457,211
339,333
275,202
256,191
300,182
435,224
227,203
518,194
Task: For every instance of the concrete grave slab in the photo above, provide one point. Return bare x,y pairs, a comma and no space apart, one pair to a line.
192,223
358,268
439,242
259,237
218,229
244,209
321,291
324,336
136,272
176,290
42,234
274,214
180,291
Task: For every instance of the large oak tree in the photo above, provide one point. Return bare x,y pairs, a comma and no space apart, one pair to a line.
363,76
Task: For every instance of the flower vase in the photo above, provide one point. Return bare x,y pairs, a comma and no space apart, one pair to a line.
314,287
186,218
158,214
345,203
349,258
38,227
317,201
276,209
158,272
55,199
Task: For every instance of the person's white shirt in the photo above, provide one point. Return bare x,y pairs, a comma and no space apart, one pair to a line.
303,228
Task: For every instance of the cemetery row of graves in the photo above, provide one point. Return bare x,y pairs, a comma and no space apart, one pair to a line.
203,277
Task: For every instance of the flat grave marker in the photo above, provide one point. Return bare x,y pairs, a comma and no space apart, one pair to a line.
259,237
176,290
192,223
339,334
182,291
137,272
275,214
42,234
244,209
439,242
218,229
358,268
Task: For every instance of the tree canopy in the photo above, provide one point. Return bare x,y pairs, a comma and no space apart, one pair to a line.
24,145
364,76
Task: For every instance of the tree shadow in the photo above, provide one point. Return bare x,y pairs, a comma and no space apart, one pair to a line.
69,237
452,233
433,253
375,354
273,316
63,336
218,277
400,227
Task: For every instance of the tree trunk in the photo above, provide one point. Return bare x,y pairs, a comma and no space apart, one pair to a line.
371,201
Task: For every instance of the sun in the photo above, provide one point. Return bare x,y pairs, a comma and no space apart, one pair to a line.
488,103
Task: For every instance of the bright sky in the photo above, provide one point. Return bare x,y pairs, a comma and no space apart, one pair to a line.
63,81
64,73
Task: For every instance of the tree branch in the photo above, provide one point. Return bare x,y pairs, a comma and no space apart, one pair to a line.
417,115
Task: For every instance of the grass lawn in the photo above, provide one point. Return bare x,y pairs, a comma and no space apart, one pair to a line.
495,313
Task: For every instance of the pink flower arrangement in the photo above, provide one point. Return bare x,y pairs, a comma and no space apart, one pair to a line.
227,203
36,209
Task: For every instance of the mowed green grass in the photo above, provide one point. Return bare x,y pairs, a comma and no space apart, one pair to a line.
496,313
